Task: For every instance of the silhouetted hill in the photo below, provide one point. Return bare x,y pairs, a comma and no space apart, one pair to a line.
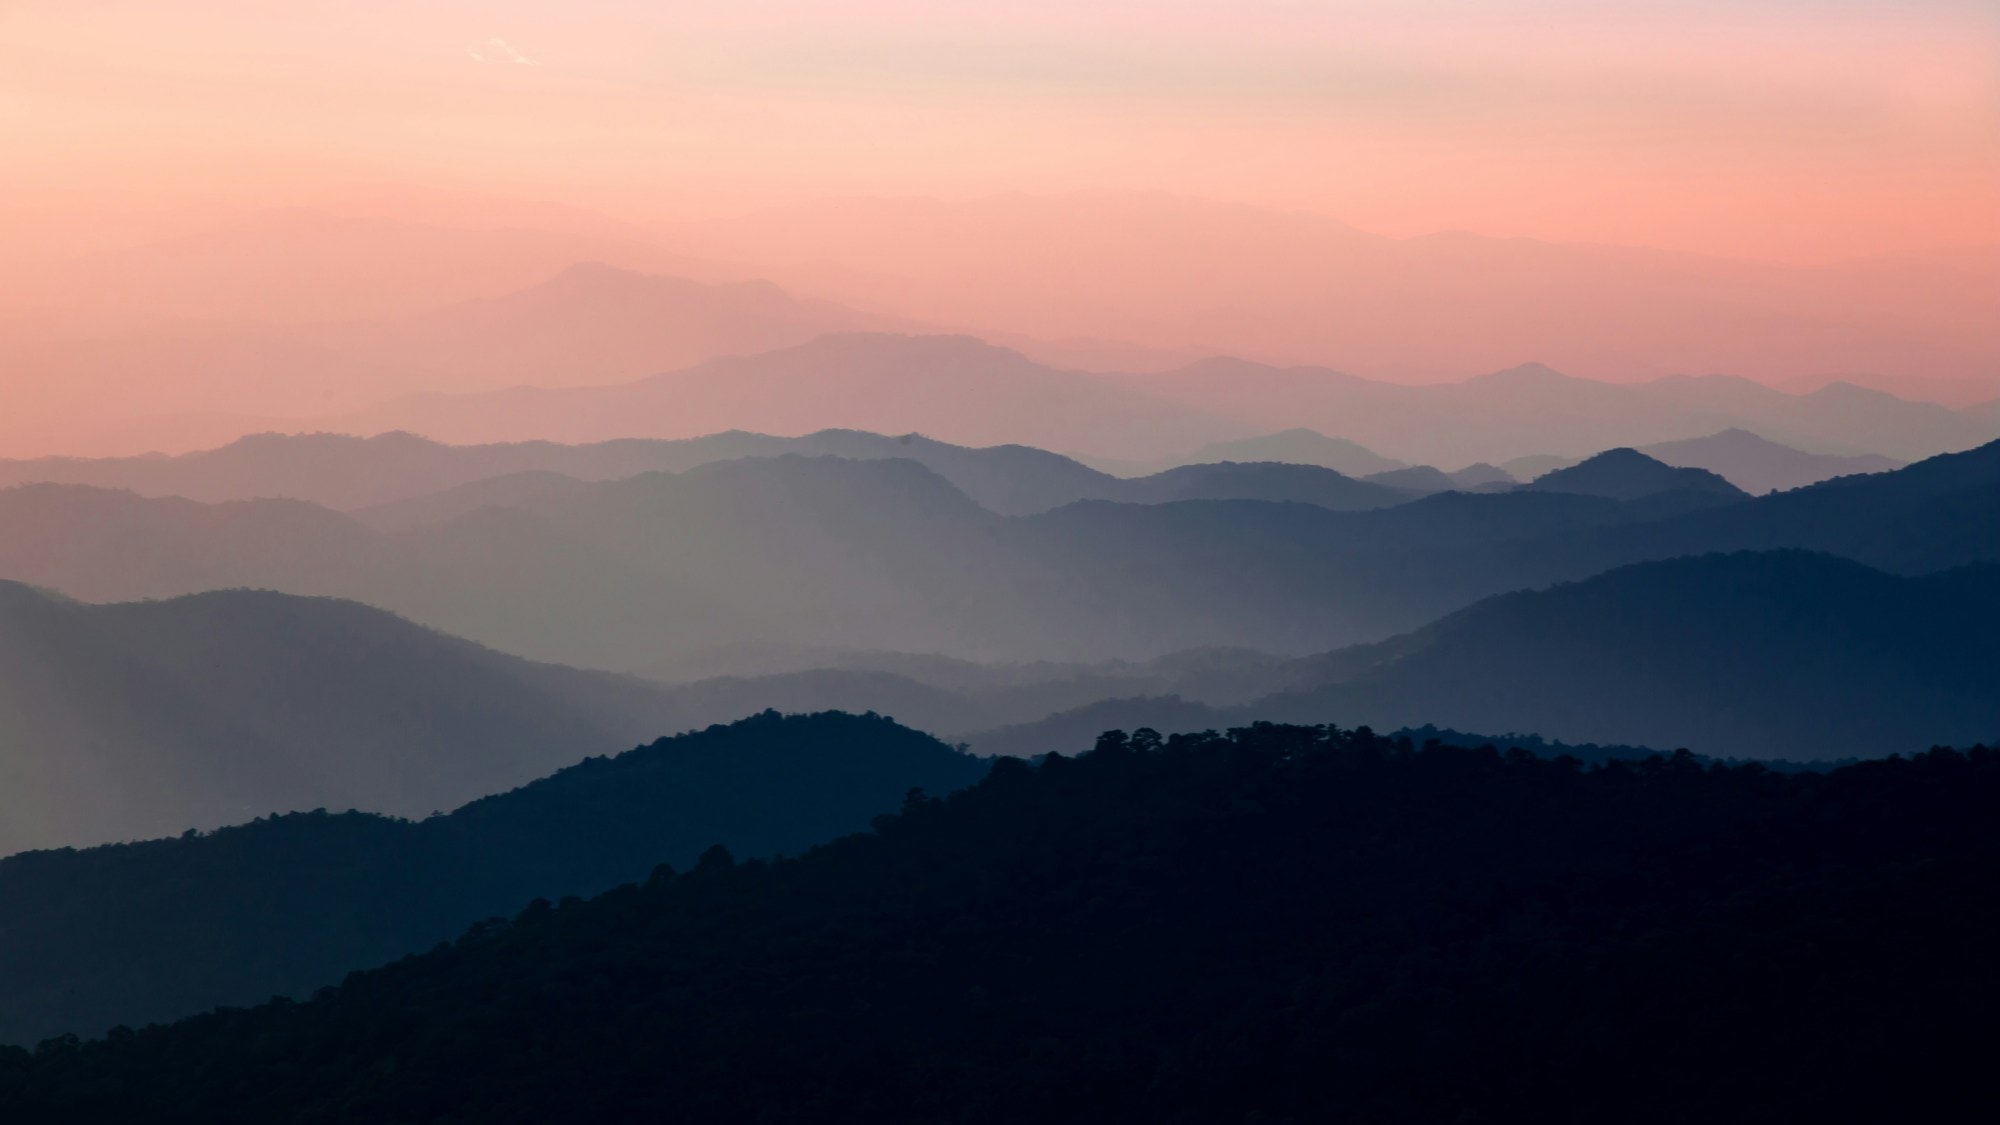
1071,727
347,472
133,933
1627,474
139,719
1279,924
1008,479
1424,480
1759,465
1771,655
1230,480
1479,475
1780,655
1415,479
1298,447
1940,512
402,480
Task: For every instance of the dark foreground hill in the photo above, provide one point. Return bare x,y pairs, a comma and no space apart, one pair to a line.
133,933
1280,924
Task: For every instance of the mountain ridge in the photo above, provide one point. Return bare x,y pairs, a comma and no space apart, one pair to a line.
134,933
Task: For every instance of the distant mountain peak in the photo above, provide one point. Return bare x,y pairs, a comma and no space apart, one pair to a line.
1627,474
1529,374
1757,464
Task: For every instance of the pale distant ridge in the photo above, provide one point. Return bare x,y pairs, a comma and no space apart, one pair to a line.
1534,410
595,323
956,388
1172,271
1758,465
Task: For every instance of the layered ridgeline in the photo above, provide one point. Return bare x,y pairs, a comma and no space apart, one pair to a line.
132,720
1281,924
1757,464
220,707
134,933
963,390
886,554
1533,409
153,387
1164,269
380,472
1755,655
398,477
144,719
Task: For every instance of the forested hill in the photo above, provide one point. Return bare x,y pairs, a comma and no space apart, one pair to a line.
133,933
1279,924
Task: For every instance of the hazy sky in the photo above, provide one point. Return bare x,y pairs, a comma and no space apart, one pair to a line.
1779,129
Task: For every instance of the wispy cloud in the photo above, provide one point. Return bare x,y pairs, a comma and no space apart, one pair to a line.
497,50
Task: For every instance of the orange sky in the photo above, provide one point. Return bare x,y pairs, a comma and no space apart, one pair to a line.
1776,129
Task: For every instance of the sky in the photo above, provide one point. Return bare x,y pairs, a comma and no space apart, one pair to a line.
1778,130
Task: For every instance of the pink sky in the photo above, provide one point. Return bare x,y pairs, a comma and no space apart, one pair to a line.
965,165
1772,129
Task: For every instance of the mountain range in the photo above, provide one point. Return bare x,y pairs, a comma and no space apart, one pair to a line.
592,323
954,388
295,317
1534,409
961,390
1269,924
133,933
1294,446
381,473
345,472
146,718
1758,465
1762,655
885,554
1746,655
212,708
1031,475
1292,287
